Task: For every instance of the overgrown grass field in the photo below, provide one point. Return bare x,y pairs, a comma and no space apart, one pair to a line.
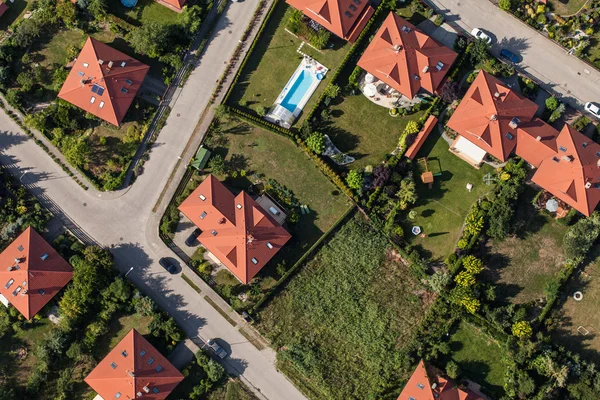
342,324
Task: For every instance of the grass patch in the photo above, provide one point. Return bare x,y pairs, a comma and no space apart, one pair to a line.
220,310
573,314
442,209
120,326
355,281
276,157
191,283
145,11
251,339
521,265
274,60
364,130
568,7
226,278
479,357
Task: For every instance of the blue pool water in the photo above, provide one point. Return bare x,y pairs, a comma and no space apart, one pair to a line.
129,3
297,90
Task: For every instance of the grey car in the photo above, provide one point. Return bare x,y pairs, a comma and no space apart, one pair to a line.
217,349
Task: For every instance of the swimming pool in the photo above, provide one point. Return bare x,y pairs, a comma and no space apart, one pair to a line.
296,93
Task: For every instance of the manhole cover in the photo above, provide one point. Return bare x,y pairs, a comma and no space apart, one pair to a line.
85,204
230,32
178,114
121,239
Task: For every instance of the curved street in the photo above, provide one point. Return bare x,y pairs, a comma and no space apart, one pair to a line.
125,221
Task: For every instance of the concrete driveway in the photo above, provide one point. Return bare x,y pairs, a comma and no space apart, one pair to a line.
543,59
126,223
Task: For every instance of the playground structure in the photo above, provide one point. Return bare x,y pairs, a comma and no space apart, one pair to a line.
428,176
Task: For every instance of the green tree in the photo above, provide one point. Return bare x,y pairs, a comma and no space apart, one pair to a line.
556,114
214,371
217,165
439,281
522,329
76,150
452,370
67,12
98,9
151,39
26,80
332,91
411,128
505,5
316,142
190,19
407,194
551,103
355,179
580,237
480,51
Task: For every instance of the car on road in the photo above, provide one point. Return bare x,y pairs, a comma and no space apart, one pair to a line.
479,34
217,349
168,265
509,55
592,109
191,240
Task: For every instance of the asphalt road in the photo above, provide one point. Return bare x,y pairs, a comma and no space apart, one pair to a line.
124,220
560,72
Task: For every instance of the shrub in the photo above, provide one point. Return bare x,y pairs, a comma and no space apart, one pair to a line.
580,237
452,370
522,329
551,103
472,76
505,5
332,91
473,264
411,128
355,179
581,122
354,77
316,142
465,279
217,164
556,114
439,281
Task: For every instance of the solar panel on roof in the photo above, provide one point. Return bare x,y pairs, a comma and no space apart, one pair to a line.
97,89
100,90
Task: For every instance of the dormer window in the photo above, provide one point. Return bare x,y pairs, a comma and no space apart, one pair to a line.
41,291
269,245
117,395
92,100
44,256
101,104
155,389
113,365
142,353
352,8
81,73
214,233
202,197
124,353
128,81
563,149
254,261
20,248
584,144
203,215
420,386
439,66
124,90
150,360
9,283
555,159
159,368
509,136
405,29
347,14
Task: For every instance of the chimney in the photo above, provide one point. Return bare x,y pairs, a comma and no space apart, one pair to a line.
539,138
514,123
426,69
566,158
110,64
497,95
493,117
588,185
250,239
397,48
100,61
17,260
24,292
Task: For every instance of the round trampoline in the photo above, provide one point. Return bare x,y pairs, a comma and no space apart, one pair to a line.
320,76
129,3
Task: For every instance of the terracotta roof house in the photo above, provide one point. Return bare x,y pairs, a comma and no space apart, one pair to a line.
344,18
103,81
427,384
405,58
3,8
175,5
134,369
485,114
236,229
498,121
32,273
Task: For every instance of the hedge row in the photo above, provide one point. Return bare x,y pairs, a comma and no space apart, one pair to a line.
29,133
562,277
250,49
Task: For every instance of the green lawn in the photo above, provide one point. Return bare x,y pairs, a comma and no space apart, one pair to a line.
479,358
15,13
584,313
274,60
568,7
442,209
343,324
521,265
277,157
144,11
364,130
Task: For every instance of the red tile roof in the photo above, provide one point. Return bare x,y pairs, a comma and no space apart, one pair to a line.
103,81
536,140
343,18
134,369
425,385
3,8
406,58
573,172
485,112
32,273
421,137
235,229
177,5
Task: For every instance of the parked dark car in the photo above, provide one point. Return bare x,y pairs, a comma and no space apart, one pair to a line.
168,265
509,55
191,240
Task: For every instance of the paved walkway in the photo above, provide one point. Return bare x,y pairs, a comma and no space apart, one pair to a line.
127,221
544,60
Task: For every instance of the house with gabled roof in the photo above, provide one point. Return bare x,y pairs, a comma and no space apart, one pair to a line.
494,119
236,229
103,81
344,18
406,59
31,273
134,369
428,384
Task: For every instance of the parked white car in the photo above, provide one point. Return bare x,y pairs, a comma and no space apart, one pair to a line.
592,109
479,34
